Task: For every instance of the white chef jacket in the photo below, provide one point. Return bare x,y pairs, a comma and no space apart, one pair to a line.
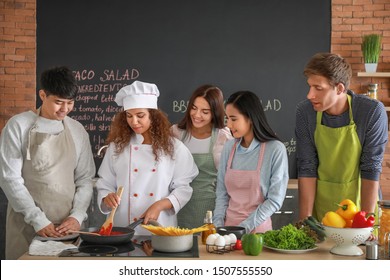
146,181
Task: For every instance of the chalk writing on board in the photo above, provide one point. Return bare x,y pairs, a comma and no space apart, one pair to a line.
180,106
107,74
291,146
95,105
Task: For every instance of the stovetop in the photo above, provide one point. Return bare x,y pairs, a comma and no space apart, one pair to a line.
140,246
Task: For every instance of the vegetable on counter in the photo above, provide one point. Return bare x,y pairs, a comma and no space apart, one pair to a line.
289,238
312,227
252,243
238,245
348,223
347,209
363,220
332,219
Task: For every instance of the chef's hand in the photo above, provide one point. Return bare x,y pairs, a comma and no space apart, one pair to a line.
147,247
153,212
372,237
111,200
69,223
49,231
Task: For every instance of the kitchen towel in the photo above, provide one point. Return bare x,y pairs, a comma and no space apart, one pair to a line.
48,248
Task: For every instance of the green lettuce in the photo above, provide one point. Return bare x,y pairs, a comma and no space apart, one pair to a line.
289,238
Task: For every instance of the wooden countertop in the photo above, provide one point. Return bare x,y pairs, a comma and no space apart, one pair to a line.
321,253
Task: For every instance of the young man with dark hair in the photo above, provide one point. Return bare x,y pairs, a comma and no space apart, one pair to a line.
46,166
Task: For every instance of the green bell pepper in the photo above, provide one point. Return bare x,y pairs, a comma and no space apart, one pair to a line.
252,243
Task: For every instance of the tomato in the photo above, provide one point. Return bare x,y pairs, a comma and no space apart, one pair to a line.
238,245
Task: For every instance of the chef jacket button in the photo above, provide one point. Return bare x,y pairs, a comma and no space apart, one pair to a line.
151,194
136,148
154,170
136,195
135,170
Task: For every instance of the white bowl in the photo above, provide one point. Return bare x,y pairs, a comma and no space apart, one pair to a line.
172,244
347,239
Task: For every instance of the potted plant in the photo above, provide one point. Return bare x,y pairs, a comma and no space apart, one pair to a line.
371,48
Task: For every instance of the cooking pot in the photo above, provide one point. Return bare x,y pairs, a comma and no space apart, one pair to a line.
125,237
172,244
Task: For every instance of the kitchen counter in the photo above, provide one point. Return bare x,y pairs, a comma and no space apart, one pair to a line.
321,253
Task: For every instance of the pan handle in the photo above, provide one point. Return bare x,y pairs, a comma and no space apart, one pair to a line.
140,220
136,223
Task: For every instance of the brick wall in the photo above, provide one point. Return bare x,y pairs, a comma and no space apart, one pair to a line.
350,20
17,57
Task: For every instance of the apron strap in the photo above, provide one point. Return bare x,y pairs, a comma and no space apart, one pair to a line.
28,156
261,155
351,121
214,133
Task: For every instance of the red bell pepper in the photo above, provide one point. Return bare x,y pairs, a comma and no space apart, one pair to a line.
363,220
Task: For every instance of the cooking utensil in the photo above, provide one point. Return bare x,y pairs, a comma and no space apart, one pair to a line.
128,233
84,232
172,244
107,226
238,231
125,237
347,239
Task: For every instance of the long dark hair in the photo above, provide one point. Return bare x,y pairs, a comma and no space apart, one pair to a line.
214,97
249,105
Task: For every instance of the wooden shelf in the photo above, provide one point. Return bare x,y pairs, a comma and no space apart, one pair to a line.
376,74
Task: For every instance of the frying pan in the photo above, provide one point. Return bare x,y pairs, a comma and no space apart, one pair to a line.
128,233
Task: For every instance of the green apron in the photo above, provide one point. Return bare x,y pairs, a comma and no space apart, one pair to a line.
339,151
203,196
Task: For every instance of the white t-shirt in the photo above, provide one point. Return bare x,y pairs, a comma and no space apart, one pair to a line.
197,146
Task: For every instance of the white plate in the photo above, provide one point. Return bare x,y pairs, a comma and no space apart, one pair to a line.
290,251
62,238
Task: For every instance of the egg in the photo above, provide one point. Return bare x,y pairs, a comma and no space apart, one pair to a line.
211,239
220,242
233,238
227,239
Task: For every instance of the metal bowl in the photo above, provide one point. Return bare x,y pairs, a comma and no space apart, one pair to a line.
172,244
238,231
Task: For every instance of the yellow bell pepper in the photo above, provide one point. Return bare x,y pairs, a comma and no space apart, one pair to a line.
347,209
332,219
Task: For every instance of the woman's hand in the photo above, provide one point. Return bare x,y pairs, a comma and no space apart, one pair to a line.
153,212
147,247
111,200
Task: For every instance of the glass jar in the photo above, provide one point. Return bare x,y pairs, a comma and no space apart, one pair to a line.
372,90
384,222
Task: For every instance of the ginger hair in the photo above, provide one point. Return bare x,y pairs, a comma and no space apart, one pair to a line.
162,138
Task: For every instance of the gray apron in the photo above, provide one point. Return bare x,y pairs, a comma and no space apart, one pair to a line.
203,196
48,173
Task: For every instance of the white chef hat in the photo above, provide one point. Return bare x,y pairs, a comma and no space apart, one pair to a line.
138,95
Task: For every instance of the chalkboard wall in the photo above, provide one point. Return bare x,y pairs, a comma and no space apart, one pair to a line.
261,46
